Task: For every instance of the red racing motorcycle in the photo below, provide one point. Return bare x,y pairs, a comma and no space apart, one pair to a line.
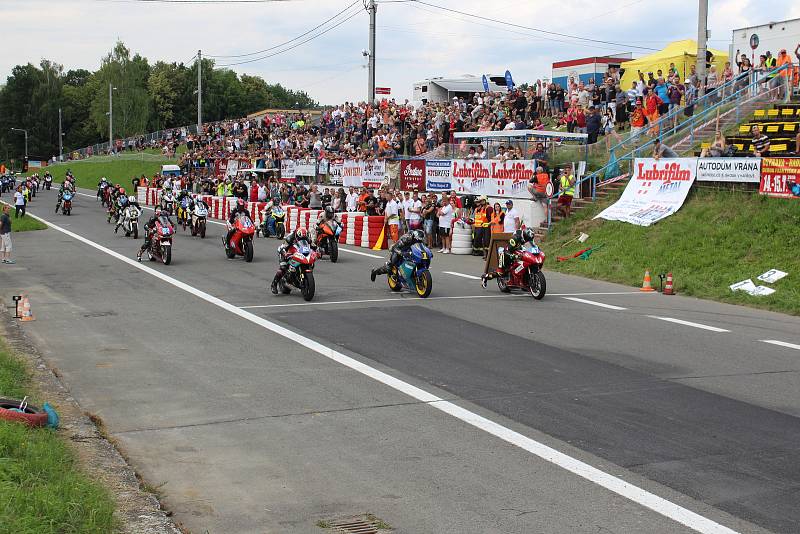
525,272
161,241
241,242
299,273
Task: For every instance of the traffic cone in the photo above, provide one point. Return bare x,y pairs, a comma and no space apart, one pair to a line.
647,283
668,287
27,315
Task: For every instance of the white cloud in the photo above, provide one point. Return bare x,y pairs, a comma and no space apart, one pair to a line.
414,42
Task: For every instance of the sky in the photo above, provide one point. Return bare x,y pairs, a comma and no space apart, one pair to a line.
414,41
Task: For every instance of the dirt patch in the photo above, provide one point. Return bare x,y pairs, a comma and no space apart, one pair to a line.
138,511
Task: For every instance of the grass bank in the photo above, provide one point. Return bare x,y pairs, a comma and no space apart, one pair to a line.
118,169
718,237
43,490
24,224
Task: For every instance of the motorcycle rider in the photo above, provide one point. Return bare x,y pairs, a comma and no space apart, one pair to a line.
195,203
101,187
130,201
241,207
66,185
403,245
515,244
149,227
301,234
326,216
183,194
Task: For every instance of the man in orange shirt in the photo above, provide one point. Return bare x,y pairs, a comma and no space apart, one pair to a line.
637,118
651,105
786,73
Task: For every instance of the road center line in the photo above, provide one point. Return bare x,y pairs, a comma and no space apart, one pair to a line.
462,275
688,323
608,481
780,343
594,303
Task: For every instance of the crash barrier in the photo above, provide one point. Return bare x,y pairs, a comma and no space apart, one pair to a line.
357,229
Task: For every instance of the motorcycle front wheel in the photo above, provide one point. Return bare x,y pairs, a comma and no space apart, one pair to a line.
394,280
202,230
248,250
136,232
538,285
502,285
333,249
307,287
424,284
166,255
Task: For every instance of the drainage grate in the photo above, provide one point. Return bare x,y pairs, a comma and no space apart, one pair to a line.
361,524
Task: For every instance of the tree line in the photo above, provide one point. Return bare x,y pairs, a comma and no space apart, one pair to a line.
147,98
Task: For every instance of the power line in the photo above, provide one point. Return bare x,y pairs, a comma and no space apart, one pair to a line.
548,32
200,1
287,42
320,34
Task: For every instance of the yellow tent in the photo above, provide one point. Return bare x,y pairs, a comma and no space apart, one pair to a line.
681,53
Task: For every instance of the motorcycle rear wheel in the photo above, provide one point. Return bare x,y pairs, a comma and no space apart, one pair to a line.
308,286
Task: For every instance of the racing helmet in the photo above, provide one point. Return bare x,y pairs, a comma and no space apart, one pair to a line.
240,203
418,235
157,212
528,235
329,212
301,233
121,190
103,179
131,199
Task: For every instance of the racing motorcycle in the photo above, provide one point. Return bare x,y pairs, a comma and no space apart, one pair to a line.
525,272
413,272
273,222
161,241
130,221
48,181
183,212
168,203
66,202
328,239
299,272
241,242
198,220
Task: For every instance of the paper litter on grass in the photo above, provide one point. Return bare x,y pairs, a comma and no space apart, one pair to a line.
751,289
772,276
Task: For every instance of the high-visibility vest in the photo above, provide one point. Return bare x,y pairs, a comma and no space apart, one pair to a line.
567,189
497,223
481,221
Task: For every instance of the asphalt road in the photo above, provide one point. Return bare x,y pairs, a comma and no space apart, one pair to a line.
598,409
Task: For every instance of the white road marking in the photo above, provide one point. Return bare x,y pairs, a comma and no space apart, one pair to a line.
688,323
341,249
462,275
593,303
780,343
612,483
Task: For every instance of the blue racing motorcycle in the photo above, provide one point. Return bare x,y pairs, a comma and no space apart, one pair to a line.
413,272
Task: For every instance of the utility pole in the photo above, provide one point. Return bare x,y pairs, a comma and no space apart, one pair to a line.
199,91
110,117
373,10
702,36
60,137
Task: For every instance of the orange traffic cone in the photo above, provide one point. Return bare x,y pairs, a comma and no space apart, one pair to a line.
668,287
27,315
647,283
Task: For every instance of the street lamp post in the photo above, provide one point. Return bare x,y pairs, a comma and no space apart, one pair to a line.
60,138
111,88
26,138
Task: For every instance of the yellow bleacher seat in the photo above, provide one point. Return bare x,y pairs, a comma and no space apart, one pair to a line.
739,147
772,113
761,113
787,112
744,128
773,128
778,148
705,145
790,127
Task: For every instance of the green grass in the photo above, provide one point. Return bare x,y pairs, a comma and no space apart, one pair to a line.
716,239
42,488
117,169
23,224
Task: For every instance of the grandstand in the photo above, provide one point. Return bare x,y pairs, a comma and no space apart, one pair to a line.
781,123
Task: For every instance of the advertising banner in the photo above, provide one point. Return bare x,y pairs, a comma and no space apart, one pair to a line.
287,168
335,171
232,167
746,170
656,190
493,177
304,168
363,173
780,177
412,175
439,175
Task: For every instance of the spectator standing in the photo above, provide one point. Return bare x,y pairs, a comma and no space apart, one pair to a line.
593,124
567,188
5,235
446,214
511,222
414,212
19,202
496,220
392,216
429,219
351,200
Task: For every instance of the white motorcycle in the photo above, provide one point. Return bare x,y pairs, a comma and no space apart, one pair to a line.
130,221
198,222
168,203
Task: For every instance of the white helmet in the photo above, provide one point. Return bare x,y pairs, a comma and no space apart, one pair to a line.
131,199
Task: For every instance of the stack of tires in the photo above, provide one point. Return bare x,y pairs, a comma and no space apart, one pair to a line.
294,220
462,239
